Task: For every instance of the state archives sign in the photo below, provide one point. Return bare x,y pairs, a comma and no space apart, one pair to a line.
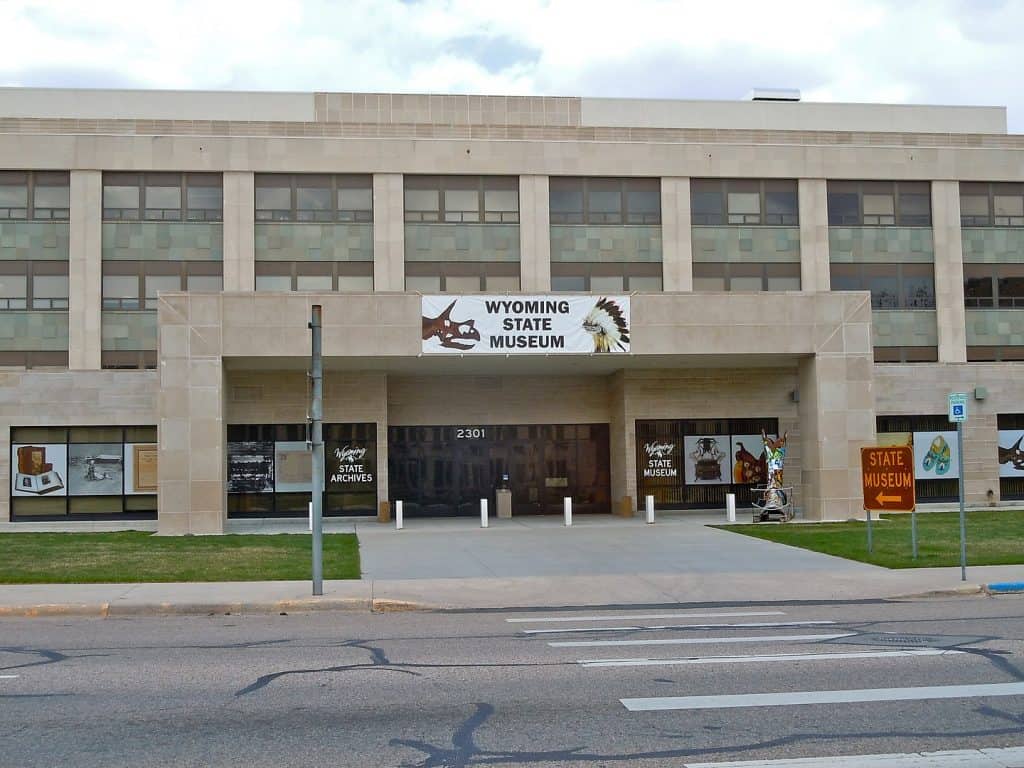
887,475
525,324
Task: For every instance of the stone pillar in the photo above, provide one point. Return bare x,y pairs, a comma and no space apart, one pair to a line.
621,439
534,234
676,237
85,271
388,232
837,413
239,231
949,272
981,447
814,256
192,464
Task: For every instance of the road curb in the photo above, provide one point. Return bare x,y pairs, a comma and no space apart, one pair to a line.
967,589
1004,588
300,605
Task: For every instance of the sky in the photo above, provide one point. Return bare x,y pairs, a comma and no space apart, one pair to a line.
909,51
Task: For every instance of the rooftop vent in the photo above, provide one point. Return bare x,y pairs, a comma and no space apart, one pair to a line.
774,94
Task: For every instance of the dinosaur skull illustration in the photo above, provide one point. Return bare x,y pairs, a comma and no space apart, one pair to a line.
452,334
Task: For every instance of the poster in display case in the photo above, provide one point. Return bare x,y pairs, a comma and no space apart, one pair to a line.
250,467
95,469
140,468
39,469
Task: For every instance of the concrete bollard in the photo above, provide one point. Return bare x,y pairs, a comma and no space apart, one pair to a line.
398,516
483,513
730,507
649,506
568,510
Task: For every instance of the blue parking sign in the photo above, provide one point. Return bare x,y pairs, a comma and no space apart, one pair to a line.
957,407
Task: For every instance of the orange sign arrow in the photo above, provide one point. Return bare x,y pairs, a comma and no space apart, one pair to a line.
887,477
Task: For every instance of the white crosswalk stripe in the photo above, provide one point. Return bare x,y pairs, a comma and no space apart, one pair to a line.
695,640
996,757
793,698
768,658
648,617
657,627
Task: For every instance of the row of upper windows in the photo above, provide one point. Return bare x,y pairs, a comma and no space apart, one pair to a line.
495,200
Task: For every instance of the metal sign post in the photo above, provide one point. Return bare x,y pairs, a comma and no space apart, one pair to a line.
887,479
958,415
316,413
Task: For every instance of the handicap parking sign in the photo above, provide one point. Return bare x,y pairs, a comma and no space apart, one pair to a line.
957,407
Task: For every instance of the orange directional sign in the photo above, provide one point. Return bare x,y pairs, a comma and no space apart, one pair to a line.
887,475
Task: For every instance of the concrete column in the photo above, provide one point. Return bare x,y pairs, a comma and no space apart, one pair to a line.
534,234
621,438
981,447
949,272
676,237
191,497
239,231
388,232
814,257
837,414
85,271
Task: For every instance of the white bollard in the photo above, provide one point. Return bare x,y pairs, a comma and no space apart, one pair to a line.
730,507
398,515
649,503
568,510
483,513
311,517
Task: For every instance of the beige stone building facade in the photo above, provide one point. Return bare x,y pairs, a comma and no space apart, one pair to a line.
827,271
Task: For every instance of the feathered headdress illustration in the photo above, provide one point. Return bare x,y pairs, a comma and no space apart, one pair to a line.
607,326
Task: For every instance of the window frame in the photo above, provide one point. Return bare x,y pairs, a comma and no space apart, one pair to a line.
183,181
989,190
626,187
293,182
481,185
724,187
992,273
900,193
628,271
293,270
30,269
902,273
143,269
31,180
764,271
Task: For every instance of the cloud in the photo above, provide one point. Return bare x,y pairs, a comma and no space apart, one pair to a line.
917,51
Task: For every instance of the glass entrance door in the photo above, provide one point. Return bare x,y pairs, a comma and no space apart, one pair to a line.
442,471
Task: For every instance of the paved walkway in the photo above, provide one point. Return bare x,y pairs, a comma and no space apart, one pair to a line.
526,562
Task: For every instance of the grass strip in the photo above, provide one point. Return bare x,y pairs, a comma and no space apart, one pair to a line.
137,556
994,537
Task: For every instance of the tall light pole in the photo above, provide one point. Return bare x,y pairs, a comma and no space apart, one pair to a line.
316,414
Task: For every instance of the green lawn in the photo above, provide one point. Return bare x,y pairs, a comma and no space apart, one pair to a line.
133,556
993,538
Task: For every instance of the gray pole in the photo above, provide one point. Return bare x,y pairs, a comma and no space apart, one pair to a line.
869,531
316,412
960,482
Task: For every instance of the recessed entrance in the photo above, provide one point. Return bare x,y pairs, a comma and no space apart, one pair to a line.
446,470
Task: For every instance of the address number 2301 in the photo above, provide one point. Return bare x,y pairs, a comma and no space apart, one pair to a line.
470,433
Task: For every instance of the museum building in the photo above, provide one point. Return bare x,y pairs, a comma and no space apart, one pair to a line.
600,299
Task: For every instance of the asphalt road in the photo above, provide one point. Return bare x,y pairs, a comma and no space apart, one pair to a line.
486,688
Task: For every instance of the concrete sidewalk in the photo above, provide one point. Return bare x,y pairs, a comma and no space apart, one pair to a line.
525,563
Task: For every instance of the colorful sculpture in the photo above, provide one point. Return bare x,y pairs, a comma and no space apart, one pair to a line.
775,453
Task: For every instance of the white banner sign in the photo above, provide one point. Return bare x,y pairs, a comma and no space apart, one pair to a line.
525,324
